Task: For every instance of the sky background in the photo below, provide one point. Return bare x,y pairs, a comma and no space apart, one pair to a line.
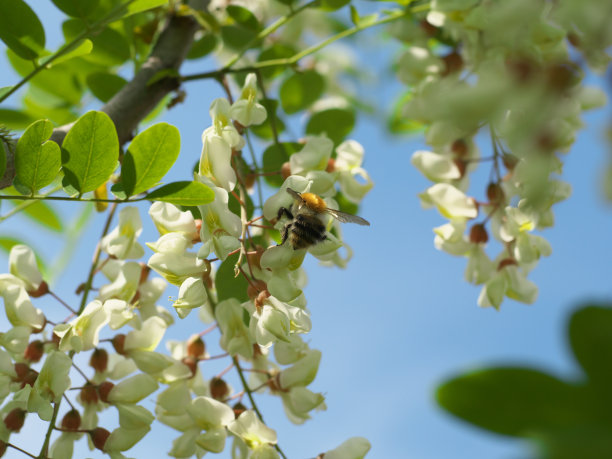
400,319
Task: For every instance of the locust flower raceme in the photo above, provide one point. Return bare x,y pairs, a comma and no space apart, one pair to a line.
220,227
122,241
22,264
246,110
172,260
20,310
255,434
354,180
82,333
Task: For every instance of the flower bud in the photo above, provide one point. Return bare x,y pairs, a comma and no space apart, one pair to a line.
239,408
71,420
285,170
191,363
99,360
254,289
99,435
104,389
34,351
331,165
510,161
453,62
478,234
89,394
495,193
461,165
506,262
15,419
460,148
196,347
42,289
22,370
218,389
249,180
118,343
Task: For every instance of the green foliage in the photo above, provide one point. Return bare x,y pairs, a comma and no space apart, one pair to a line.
110,47
336,123
183,194
21,30
43,214
149,157
77,8
332,5
37,159
273,158
203,46
265,130
275,51
301,90
228,285
104,85
80,48
15,119
90,152
138,6
400,124
243,17
566,419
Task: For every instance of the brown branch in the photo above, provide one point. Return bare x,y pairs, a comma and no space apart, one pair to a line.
136,99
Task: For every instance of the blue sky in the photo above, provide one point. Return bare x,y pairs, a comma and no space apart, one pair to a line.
400,319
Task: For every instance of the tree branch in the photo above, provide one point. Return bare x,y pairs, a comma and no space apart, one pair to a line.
136,99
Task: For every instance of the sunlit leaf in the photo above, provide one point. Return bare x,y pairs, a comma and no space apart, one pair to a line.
105,85
336,123
301,90
226,282
274,157
81,49
77,8
183,194
37,159
90,152
21,30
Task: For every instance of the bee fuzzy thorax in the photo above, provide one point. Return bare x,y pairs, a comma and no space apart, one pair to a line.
314,202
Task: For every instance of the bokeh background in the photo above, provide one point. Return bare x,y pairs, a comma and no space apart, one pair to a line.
400,319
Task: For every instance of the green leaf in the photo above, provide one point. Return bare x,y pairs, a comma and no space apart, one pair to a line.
354,15
275,51
149,157
4,152
337,123
37,159
300,90
273,158
44,214
105,85
264,130
227,284
21,30
77,8
139,6
202,46
5,90
398,123
183,194
590,334
83,48
16,120
90,151
243,17
110,47
512,401
332,5
237,37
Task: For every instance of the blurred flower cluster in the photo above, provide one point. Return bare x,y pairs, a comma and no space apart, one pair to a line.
505,73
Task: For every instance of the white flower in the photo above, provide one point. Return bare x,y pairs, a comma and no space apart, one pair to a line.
169,219
122,241
171,259
82,333
313,156
22,264
283,199
252,431
416,63
450,202
302,372
353,448
19,309
246,110
216,161
353,179
434,166
192,294
221,228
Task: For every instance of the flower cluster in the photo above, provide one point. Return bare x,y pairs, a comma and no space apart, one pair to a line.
506,71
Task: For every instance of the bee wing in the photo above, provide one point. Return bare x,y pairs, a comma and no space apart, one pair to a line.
294,193
347,218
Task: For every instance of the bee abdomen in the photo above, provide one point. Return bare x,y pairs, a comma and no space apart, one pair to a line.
306,232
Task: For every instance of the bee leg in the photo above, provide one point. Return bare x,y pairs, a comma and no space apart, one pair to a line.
285,232
283,211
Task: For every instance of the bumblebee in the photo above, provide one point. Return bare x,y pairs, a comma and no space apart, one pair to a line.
305,226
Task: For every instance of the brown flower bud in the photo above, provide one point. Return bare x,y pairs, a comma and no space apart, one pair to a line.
460,148
99,360
249,180
191,363
196,347
104,389
118,343
89,394
495,193
453,62
461,165
510,161
478,234
71,420
29,379
15,419
34,351
506,262
285,170
331,165
218,389
99,435
22,370
239,408
42,289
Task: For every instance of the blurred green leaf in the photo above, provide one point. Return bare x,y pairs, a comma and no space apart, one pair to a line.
227,284
105,85
139,6
336,123
4,90
43,214
110,47
243,17
149,157
77,8
37,159
183,194
90,152
202,46
16,120
332,5
275,51
21,30
236,37
264,130
82,48
590,334
274,157
398,123
301,90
